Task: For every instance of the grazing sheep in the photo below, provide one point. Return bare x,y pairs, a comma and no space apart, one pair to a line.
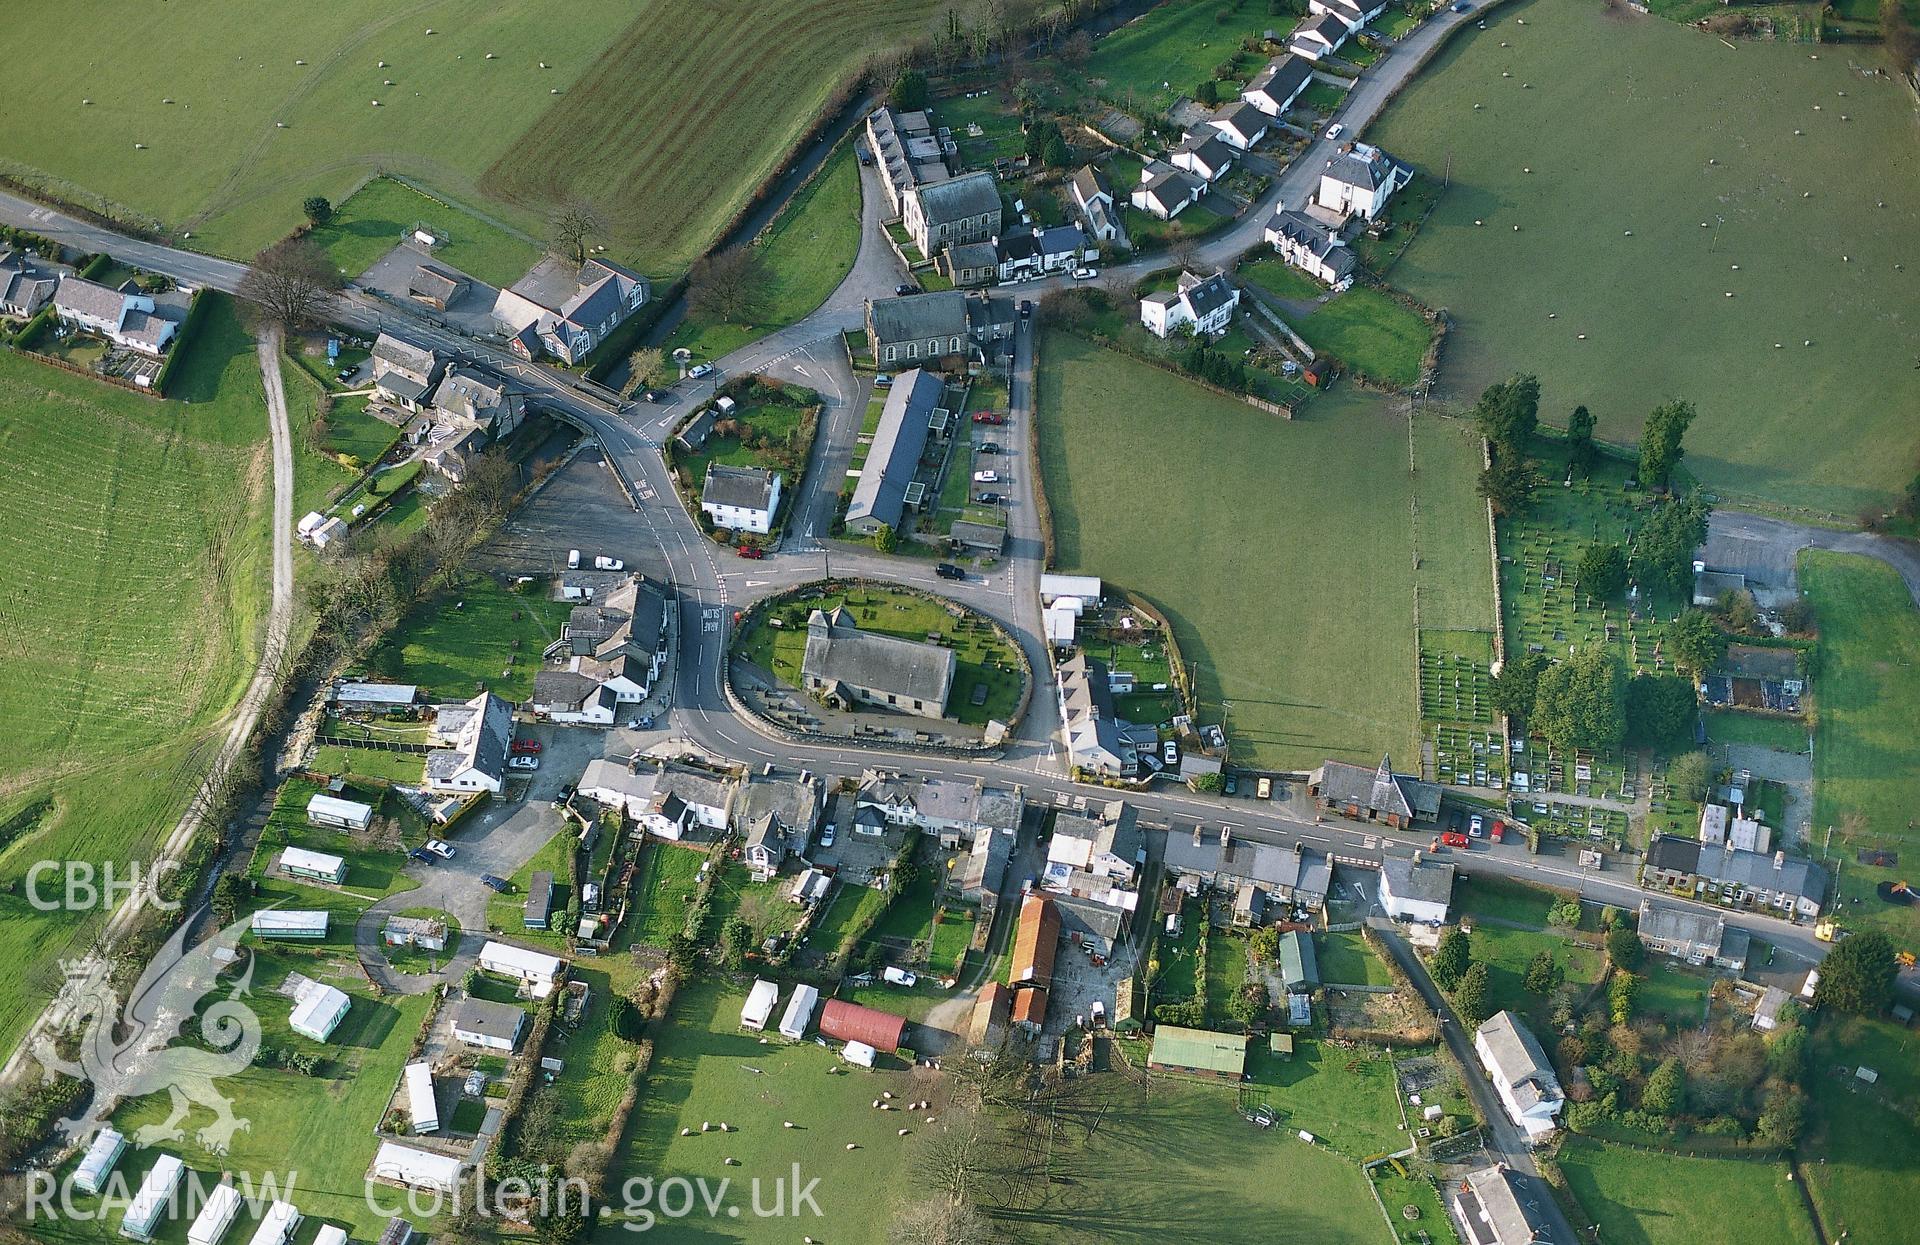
380,65
931,1118
787,1124
852,1146
279,125
876,1102
731,1162
903,1132
886,1093
139,146
1583,337
706,1126
686,1132
299,62
1629,233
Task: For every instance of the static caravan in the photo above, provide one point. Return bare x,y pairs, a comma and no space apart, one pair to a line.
330,810
538,909
301,863
286,924
215,1217
421,1169
278,1225
759,1008
320,1013
150,1204
420,1100
331,1235
799,1012
537,970
859,1053
101,1156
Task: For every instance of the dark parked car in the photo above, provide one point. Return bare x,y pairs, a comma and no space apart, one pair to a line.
947,570
905,288
495,883
424,856
1026,308
989,499
986,447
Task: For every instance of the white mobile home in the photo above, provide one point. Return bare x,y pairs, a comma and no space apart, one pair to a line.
283,923
759,1008
150,1204
215,1217
533,968
799,1012
278,1225
301,863
320,1012
329,810
331,1235
421,1169
100,1157
421,1103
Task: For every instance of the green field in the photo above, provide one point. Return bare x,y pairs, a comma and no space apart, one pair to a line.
621,117
1347,1100
1280,550
1710,135
1866,1135
505,912
478,635
807,252
1346,959
1868,697
134,539
981,657
1782,734
1179,44
668,877
1373,335
1455,576
1648,1197
384,211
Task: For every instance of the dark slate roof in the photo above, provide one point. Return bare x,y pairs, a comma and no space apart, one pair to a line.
1366,167
436,282
497,1020
1018,247
1425,881
749,488
1062,238
1208,294
1380,790
881,490
1754,870
1319,241
1328,26
89,298
913,317
562,689
403,354
839,651
1209,147
972,194
1168,186
972,255
1506,1207
1089,183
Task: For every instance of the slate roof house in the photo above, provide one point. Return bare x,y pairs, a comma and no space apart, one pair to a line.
1500,1206
436,287
948,213
907,152
1355,13
972,264
1274,88
1521,1074
776,817
1790,885
1313,248
886,484
1416,889
25,286
1239,124
1696,937
403,373
617,649
1204,154
1318,36
1094,196
1396,800
844,664
1165,191
1104,841
741,499
1094,738
915,327
1036,253
469,395
564,312
569,696
1225,862
475,737
128,318
1360,179
1206,304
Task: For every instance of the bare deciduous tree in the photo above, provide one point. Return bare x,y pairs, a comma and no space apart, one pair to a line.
956,1155
726,286
573,223
940,1222
290,283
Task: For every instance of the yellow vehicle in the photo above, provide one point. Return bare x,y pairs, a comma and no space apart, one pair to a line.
1828,930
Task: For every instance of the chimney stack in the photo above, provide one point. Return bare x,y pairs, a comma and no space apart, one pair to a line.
1779,861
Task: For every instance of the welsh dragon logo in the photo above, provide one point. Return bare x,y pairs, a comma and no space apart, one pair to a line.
141,1062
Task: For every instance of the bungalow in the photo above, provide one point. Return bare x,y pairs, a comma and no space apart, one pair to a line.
1359,180
741,499
1274,88
1093,735
1789,885
1165,191
1521,1075
1313,248
532,968
489,1025
972,264
1696,937
25,287
1239,124
947,213
906,151
1416,889
1203,304
474,738
298,862
1318,36
126,317
1501,1206
1396,800
404,373
849,667
437,287
564,311
1198,1052
536,911
1094,197
1204,154
886,488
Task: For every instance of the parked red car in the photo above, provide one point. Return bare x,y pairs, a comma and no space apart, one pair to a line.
752,553
1498,832
989,417
1453,838
526,747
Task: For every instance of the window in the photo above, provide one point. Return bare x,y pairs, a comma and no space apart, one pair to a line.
892,699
